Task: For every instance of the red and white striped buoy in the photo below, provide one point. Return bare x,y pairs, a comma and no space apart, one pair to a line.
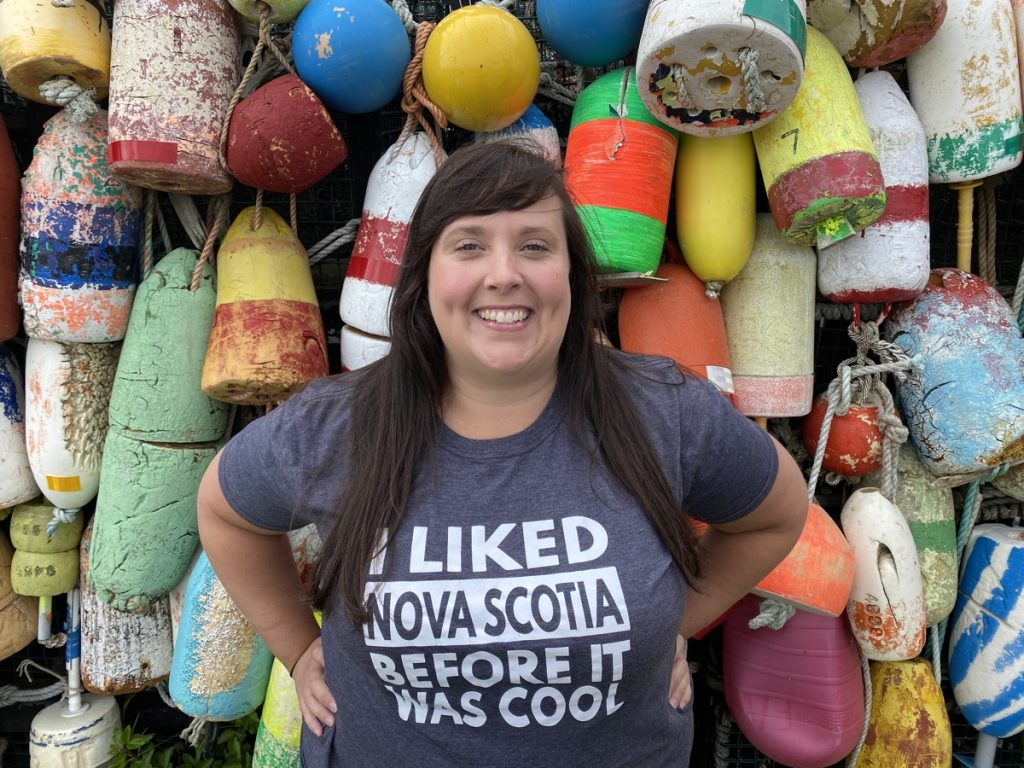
359,349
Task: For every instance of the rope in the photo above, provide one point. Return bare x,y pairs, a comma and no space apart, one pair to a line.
1018,296
185,208
194,732
293,212
751,80
165,694
677,74
147,233
60,516
402,9
55,641
833,311
415,98
257,212
773,615
868,695
554,90
723,727
64,92
165,236
62,3
222,203
12,694
987,233
937,654
338,238
503,4
894,434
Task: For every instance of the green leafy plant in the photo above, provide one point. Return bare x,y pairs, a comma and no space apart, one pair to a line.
223,745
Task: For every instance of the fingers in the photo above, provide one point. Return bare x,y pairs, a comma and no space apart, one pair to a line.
316,703
680,685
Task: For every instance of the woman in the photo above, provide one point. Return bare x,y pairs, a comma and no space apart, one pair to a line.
504,505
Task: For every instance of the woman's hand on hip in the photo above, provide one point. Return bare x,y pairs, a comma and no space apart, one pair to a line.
680,688
315,700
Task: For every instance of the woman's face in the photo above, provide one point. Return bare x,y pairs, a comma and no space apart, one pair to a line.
498,289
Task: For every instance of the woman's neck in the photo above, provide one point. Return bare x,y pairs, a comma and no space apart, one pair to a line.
487,413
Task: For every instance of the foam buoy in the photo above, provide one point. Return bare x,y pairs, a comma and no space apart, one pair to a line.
10,213
591,34
41,41
268,335
534,128
965,85
959,325
481,66
282,139
359,349
44,565
890,259
80,234
392,191
796,693
16,481
29,529
67,391
277,738
281,11
721,67
886,608
879,36
189,52
854,445
353,55
59,738
18,616
769,321
618,167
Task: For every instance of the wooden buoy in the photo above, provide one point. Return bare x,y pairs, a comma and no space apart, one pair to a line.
618,167
890,259
18,616
854,445
42,41
886,608
80,235
591,33
16,481
964,404
10,213
534,129
359,349
268,335
879,35
83,739
721,67
769,321
281,11
188,52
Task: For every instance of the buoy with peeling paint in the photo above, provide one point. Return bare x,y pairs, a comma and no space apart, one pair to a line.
67,390
971,351
281,11
619,162
965,85
80,235
188,52
591,33
854,445
721,67
819,166
890,259
394,187
43,41
18,616
1012,482
277,738
10,214
83,739
534,129
16,481
359,349
769,322
268,335
44,565
876,35
796,693
886,608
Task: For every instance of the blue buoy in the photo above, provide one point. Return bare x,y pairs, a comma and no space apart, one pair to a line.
592,32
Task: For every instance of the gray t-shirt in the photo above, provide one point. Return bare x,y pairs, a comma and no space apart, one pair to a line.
526,611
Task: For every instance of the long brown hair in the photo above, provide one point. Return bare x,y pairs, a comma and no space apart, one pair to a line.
396,402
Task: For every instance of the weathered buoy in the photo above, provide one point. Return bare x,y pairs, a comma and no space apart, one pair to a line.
10,213
873,36
189,52
533,129
618,167
16,481
281,138
43,565
18,616
359,349
1012,482
797,693
67,389
268,335
80,235
971,351
965,86
886,608
83,739
277,738
769,321
281,11
890,259
392,191
854,445
721,67
591,34
352,55
41,41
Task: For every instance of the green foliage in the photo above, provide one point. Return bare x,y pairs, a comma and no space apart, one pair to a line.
231,748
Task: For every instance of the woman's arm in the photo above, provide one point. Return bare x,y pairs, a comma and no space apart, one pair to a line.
736,556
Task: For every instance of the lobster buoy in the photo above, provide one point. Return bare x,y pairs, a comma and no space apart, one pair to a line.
44,565
79,238
83,739
10,212
988,628
481,67
359,349
797,693
769,321
890,259
189,52
16,481
67,393
854,445
958,326
677,320
268,335
589,33
618,167
282,139
43,41
18,616
721,67
879,36
715,221
886,608
1011,483
281,11
906,701
277,738
394,187
353,54
533,129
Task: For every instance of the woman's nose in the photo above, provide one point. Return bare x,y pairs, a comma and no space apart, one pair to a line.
503,270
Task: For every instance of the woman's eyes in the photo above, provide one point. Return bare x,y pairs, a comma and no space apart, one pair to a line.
533,246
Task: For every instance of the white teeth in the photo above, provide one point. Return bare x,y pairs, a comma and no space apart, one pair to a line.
504,316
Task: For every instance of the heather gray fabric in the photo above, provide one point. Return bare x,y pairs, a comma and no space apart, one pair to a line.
526,612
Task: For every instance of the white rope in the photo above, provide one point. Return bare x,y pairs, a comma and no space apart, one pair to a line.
554,90
62,3
751,80
194,732
503,4
338,238
165,695
12,694
405,15
60,516
63,92
773,615
937,654
677,75
191,221
868,694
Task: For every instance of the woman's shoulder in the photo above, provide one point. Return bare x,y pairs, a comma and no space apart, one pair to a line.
646,371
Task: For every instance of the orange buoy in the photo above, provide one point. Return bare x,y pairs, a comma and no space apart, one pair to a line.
10,207
854,445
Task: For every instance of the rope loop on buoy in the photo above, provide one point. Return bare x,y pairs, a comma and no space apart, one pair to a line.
677,74
774,615
555,91
505,5
64,92
401,7
62,3
222,206
337,239
752,89
60,516
194,732
415,99
257,212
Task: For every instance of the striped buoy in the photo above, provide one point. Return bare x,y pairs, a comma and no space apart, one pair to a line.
281,11
392,191
16,481
721,67
854,445
769,321
879,35
60,738
618,167
43,565
359,349
591,33
965,86
268,335
890,259
40,41
80,235
277,738
10,213
18,616
818,163
189,52
534,129
971,352
886,608
67,391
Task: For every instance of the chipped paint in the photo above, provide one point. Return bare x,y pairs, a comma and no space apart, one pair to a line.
16,481
323,45
874,33
854,445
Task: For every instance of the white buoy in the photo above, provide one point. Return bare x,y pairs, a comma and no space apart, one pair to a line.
359,349
16,482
